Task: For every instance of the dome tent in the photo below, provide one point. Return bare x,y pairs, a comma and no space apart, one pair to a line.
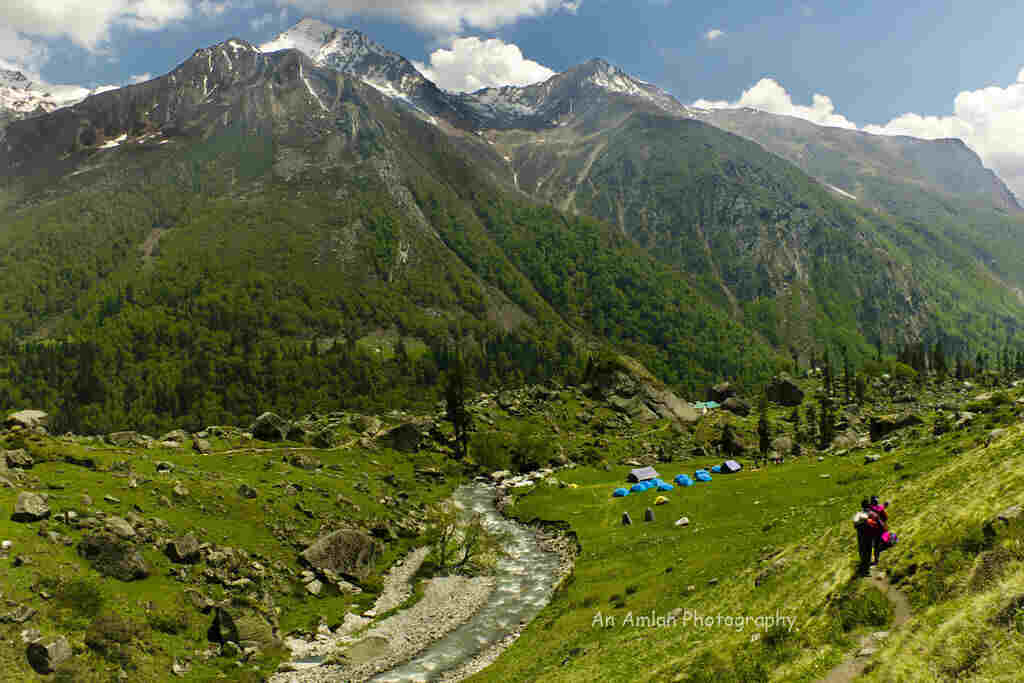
683,480
702,475
620,493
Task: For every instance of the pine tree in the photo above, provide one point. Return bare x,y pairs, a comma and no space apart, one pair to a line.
827,427
455,398
763,429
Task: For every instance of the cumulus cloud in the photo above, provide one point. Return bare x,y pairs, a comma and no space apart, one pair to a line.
443,17
140,78
714,34
472,64
87,23
768,95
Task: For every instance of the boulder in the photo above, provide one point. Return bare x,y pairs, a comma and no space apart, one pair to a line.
177,436
113,557
783,445
127,439
784,391
201,446
269,427
183,550
325,438
721,392
883,425
366,424
27,419
405,438
44,656
245,626
18,459
736,406
120,527
304,461
347,552
30,507
631,389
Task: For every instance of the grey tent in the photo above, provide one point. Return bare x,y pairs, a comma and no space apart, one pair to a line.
643,474
731,467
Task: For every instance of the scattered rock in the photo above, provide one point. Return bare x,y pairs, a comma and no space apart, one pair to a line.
1009,518
304,461
683,521
246,491
46,656
30,507
736,406
871,457
201,446
179,491
164,466
315,587
631,389
180,668
111,499
243,626
721,392
19,615
626,519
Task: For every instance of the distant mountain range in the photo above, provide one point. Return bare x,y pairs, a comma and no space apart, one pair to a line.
593,206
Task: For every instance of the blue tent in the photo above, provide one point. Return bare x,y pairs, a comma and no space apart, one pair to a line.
717,469
663,486
619,493
684,480
702,475
657,482
638,488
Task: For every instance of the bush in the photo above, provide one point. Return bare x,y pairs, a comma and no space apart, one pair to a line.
110,634
81,596
490,450
171,622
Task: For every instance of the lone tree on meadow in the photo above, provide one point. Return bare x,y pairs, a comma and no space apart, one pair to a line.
763,430
455,398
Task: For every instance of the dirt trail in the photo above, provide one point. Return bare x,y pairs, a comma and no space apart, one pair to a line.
854,665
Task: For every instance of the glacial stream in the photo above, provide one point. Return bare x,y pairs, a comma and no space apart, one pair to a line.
524,584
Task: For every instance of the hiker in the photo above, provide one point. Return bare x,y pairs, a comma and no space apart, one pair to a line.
879,510
868,527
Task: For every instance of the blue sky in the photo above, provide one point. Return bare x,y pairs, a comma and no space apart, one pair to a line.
932,69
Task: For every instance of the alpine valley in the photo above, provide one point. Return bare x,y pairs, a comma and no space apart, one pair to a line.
341,292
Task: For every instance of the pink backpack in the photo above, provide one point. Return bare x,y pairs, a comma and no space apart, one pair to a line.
889,539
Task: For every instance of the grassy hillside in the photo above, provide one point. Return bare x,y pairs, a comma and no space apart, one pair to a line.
779,542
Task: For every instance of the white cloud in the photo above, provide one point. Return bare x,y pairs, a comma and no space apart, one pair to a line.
141,78
769,96
714,34
87,23
472,64
443,17
210,8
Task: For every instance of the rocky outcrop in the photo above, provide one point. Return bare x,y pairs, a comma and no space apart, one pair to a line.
721,392
784,391
183,550
736,406
245,626
630,388
347,552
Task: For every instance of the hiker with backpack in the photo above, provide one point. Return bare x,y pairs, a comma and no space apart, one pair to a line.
869,529
882,540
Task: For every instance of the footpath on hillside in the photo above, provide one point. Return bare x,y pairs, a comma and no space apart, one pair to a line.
854,665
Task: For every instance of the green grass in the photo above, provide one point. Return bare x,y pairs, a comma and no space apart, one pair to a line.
740,527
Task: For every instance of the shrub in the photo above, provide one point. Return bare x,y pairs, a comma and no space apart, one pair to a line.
172,622
110,634
632,588
490,450
81,596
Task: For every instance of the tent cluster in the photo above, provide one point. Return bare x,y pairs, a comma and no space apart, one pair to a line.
646,478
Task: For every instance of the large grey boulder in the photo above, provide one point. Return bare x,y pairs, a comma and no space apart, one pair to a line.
630,388
245,626
30,507
46,655
736,406
112,556
405,438
17,459
721,392
270,427
347,552
784,391
120,527
27,419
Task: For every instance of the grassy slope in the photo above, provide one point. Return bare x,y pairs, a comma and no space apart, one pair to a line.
217,514
744,523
